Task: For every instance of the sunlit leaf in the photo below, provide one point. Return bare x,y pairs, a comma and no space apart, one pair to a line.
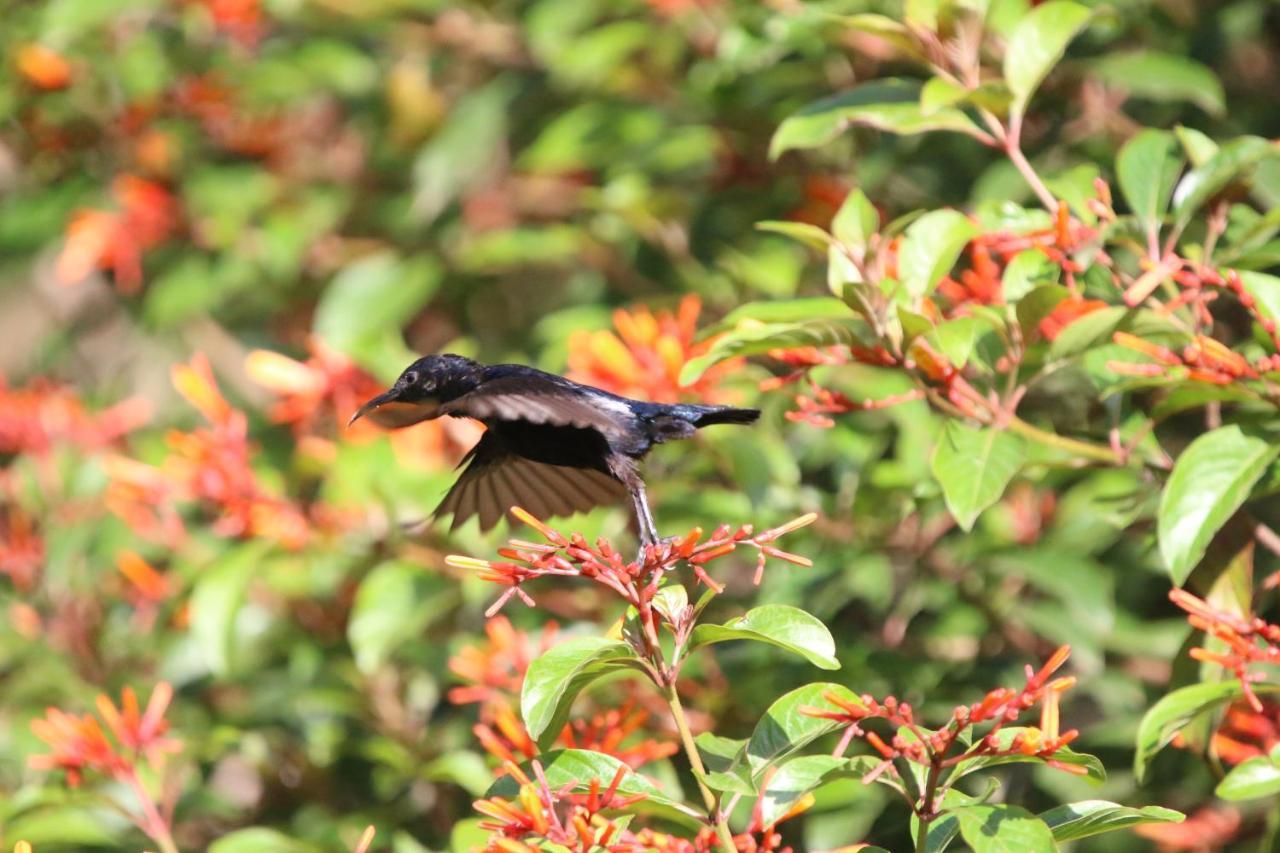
1074,821
1037,43
780,625
1173,713
974,466
558,675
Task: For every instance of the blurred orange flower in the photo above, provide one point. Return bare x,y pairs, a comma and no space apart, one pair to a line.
21,547
1066,313
240,19
78,744
43,67
146,215
35,418
322,391
494,670
147,588
643,357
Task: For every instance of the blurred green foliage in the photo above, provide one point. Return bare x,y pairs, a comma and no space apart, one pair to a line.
412,176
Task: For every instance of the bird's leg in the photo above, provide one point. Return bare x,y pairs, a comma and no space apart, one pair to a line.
648,529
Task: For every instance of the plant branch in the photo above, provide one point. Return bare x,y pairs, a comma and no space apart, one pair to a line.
699,770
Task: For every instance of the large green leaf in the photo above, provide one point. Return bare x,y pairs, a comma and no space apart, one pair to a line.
1029,269
1210,481
1161,76
558,675
785,728
394,603
780,625
974,466
1253,778
795,778
1004,829
1074,821
1147,168
1231,161
1036,45
856,220
892,105
1173,713
930,248
260,839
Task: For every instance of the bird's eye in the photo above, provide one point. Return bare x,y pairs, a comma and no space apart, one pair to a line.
411,378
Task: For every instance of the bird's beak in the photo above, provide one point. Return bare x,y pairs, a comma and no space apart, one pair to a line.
388,411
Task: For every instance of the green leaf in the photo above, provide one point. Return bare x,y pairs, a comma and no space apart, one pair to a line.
785,728
856,220
795,778
974,466
576,769
1094,771
1198,147
215,604
1036,45
1253,778
892,105
1173,713
1161,76
894,32
1074,821
1210,481
1147,168
364,309
260,839
930,248
956,338
1038,304
1027,270
780,625
558,675
811,235
1203,182
1083,333
1004,829
394,603
464,151
782,311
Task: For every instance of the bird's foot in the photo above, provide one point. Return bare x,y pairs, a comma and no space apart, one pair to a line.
643,554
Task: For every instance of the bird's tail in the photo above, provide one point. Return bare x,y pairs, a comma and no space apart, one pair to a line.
707,415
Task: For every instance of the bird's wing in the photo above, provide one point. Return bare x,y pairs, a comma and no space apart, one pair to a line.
540,398
496,480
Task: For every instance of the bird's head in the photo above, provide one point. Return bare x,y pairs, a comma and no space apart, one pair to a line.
419,392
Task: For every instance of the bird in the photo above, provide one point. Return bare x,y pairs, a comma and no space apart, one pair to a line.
551,445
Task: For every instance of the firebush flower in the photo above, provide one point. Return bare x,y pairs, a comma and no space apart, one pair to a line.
942,749
634,581
645,353
322,391
1248,641
42,415
81,745
493,671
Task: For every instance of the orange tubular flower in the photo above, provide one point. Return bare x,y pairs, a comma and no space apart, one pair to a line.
644,356
141,733
78,743
36,418
495,670
22,550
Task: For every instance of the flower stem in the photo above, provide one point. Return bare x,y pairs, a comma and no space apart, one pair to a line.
699,770
153,823
1095,452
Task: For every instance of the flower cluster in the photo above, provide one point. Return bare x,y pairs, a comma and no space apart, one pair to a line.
136,738
1246,641
645,353
209,465
35,418
945,748
635,581
313,395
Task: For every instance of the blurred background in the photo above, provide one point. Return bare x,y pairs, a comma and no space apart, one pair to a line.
224,223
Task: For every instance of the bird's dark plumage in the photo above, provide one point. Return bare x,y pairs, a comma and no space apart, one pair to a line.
552,446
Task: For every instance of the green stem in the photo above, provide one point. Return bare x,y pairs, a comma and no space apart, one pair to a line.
927,811
699,770
1095,452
